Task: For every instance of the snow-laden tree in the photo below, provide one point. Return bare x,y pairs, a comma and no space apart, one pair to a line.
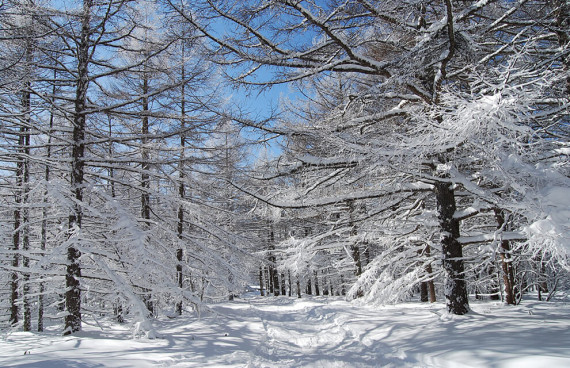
395,136
125,111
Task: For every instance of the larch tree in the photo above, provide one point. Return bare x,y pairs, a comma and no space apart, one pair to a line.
405,57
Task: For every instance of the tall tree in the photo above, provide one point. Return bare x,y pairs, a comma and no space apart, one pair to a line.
404,58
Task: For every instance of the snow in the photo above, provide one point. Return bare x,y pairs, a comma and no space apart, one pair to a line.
554,229
315,332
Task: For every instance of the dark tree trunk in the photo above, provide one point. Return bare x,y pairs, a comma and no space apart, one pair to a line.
283,288
325,285
354,247
261,292
25,150
423,292
145,169
455,287
275,283
73,270
73,293
495,288
43,242
181,187
273,274
298,288
179,278
506,261
145,166
270,278
424,298
367,252
309,286
317,290
289,282
118,310
267,282
14,310
562,26
542,284
429,271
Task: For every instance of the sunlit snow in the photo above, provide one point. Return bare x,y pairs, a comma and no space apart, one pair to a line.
315,332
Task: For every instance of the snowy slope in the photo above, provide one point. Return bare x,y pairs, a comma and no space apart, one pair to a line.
316,332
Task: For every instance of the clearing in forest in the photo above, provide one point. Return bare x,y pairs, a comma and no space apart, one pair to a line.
315,332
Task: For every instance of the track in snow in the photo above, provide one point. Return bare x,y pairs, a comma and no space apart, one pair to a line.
316,332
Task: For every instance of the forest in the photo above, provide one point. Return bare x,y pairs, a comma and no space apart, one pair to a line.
417,150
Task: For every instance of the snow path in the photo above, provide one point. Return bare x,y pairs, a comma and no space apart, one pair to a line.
316,332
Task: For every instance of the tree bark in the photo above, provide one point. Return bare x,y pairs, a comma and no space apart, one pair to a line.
506,261
354,248
283,288
73,269
261,292
181,176
429,271
273,273
14,293
25,150
455,288
317,289
309,287
423,292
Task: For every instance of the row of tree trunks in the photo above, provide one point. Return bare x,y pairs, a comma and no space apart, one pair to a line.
313,285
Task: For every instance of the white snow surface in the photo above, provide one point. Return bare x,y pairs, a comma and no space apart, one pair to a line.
315,332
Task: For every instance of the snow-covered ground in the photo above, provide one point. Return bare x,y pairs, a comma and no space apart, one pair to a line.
315,332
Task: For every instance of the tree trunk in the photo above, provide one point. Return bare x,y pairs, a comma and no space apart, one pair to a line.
145,166
562,26
429,271
542,284
43,241
495,289
423,292
367,252
14,310
354,248
506,261
179,277
270,278
181,175
455,287
267,281
25,150
325,285
261,292
283,289
317,290
275,282
273,274
73,269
